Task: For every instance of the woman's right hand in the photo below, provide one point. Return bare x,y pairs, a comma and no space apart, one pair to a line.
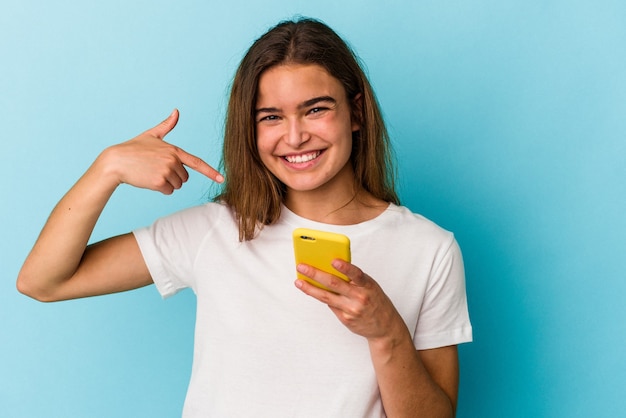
61,265
148,162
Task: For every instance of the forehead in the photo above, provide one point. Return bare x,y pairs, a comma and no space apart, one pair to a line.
295,83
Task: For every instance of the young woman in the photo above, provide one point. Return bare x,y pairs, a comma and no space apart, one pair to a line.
304,146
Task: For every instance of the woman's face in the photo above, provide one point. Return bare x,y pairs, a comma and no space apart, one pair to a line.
304,127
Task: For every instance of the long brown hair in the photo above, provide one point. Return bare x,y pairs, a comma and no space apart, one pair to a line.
252,190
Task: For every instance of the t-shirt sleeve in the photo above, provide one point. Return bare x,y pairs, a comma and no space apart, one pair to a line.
169,247
444,318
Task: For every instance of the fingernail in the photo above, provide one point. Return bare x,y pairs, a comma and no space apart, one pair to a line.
219,178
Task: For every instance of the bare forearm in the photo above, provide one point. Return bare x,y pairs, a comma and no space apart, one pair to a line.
62,242
60,266
411,383
406,386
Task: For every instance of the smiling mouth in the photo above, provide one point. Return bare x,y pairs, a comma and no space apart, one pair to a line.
302,158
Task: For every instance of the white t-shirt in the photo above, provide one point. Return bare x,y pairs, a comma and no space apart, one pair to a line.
263,348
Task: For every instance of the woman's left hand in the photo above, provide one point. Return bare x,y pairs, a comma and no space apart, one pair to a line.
360,304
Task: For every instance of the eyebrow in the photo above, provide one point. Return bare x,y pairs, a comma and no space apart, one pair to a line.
305,104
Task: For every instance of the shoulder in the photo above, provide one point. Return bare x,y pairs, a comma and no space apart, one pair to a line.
210,212
402,219
194,222
416,236
405,237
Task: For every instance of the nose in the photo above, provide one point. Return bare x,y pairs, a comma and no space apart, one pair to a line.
297,133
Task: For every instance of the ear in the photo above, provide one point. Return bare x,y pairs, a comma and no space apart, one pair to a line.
356,109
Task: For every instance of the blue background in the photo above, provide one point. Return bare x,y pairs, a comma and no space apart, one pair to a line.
509,122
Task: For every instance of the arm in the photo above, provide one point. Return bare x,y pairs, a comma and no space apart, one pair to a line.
61,265
412,383
416,383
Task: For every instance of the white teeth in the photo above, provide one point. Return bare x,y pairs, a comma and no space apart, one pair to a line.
299,159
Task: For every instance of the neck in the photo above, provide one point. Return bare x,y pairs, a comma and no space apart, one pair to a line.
339,203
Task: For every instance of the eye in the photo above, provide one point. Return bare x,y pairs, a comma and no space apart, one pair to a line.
317,110
268,118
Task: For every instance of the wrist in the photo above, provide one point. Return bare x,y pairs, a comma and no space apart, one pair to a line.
398,338
104,169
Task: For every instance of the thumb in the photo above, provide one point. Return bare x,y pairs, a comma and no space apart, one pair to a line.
166,126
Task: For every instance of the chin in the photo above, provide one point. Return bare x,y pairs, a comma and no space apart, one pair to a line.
302,187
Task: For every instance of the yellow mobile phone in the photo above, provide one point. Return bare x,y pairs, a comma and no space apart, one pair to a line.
319,249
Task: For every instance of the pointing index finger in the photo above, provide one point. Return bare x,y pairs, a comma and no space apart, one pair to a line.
198,164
